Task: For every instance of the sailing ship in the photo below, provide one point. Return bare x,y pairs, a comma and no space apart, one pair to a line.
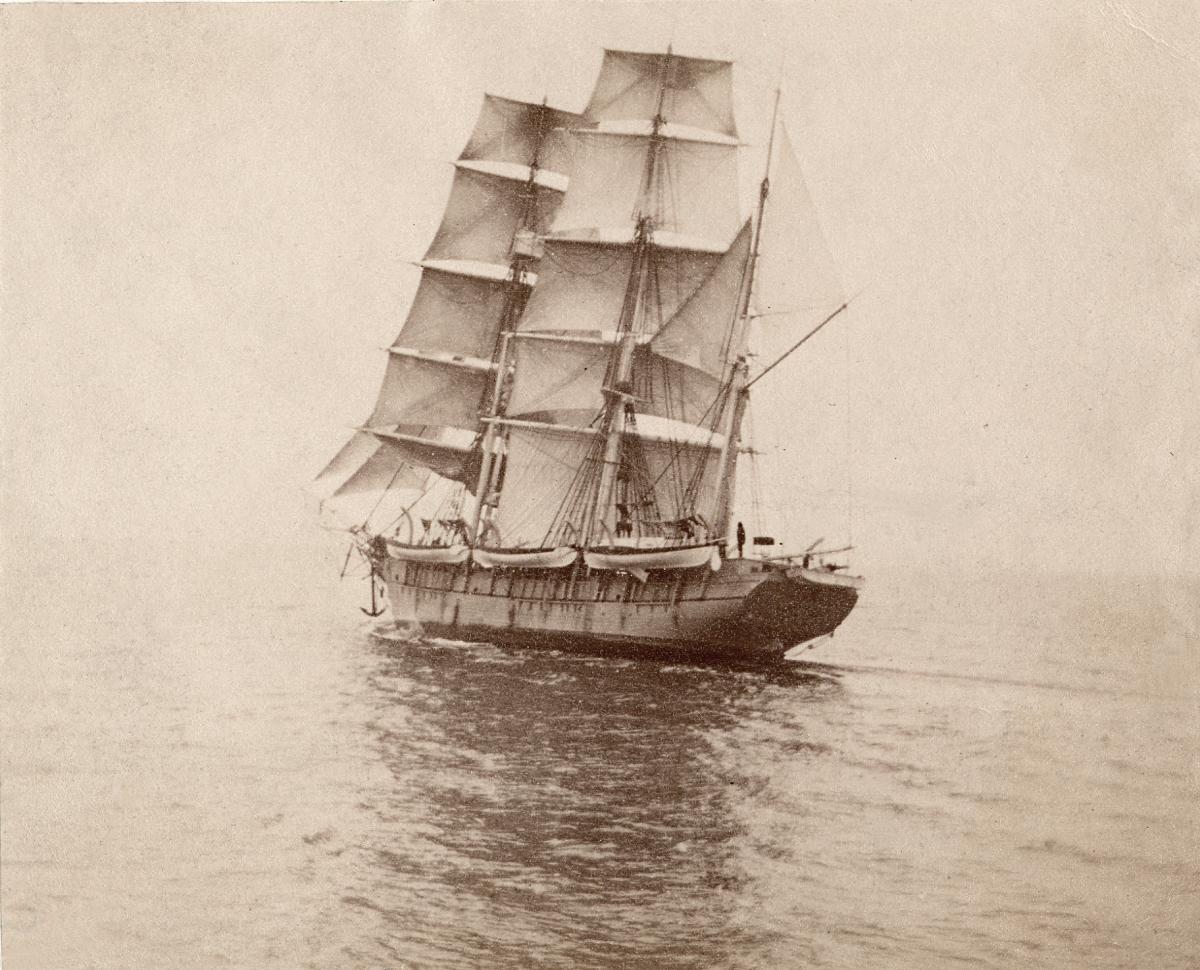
557,437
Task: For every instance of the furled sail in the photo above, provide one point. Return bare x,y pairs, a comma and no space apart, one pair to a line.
696,92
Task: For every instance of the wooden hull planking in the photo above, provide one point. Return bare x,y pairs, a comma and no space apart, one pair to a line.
749,610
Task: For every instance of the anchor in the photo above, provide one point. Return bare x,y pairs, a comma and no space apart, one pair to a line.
376,607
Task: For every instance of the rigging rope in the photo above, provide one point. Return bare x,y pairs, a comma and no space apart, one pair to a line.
382,495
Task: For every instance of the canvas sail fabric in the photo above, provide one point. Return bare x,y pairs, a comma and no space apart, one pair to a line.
508,131
416,391
669,389
699,186
386,468
796,276
540,466
454,313
557,376
457,461
685,477
543,462
561,380
358,465
419,390
706,332
581,285
460,312
483,214
365,481
698,92
679,375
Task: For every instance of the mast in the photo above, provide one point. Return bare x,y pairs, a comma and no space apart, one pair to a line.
618,386
618,362
443,368
739,390
523,252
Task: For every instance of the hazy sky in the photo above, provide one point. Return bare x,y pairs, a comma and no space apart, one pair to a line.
209,214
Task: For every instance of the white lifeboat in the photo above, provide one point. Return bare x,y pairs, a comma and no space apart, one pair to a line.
435,554
684,557
556,558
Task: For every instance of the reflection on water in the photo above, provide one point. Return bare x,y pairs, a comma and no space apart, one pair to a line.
545,809
567,807
251,779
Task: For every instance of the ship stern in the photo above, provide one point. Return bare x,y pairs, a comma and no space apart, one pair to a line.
798,606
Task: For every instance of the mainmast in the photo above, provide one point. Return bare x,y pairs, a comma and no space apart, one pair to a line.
618,385
617,363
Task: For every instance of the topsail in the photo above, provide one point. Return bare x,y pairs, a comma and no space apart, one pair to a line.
583,311
475,277
635,317
691,91
555,443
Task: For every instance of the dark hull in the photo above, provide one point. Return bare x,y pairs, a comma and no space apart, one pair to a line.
749,612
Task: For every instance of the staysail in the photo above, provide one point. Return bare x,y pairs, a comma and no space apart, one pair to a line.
796,275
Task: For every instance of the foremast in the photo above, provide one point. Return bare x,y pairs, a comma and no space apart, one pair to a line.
443,369
526,249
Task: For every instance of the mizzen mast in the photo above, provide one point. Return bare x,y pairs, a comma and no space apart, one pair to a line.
739,384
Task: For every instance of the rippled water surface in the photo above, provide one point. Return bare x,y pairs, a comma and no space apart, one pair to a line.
246,776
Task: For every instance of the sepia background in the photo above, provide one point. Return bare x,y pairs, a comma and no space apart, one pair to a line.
208,219
210,214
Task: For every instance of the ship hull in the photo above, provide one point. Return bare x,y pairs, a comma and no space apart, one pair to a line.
748,612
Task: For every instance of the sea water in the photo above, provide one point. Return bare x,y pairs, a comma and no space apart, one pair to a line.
232,767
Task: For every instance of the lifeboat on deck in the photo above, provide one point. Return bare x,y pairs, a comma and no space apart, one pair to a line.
645,560
557,558
433,554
